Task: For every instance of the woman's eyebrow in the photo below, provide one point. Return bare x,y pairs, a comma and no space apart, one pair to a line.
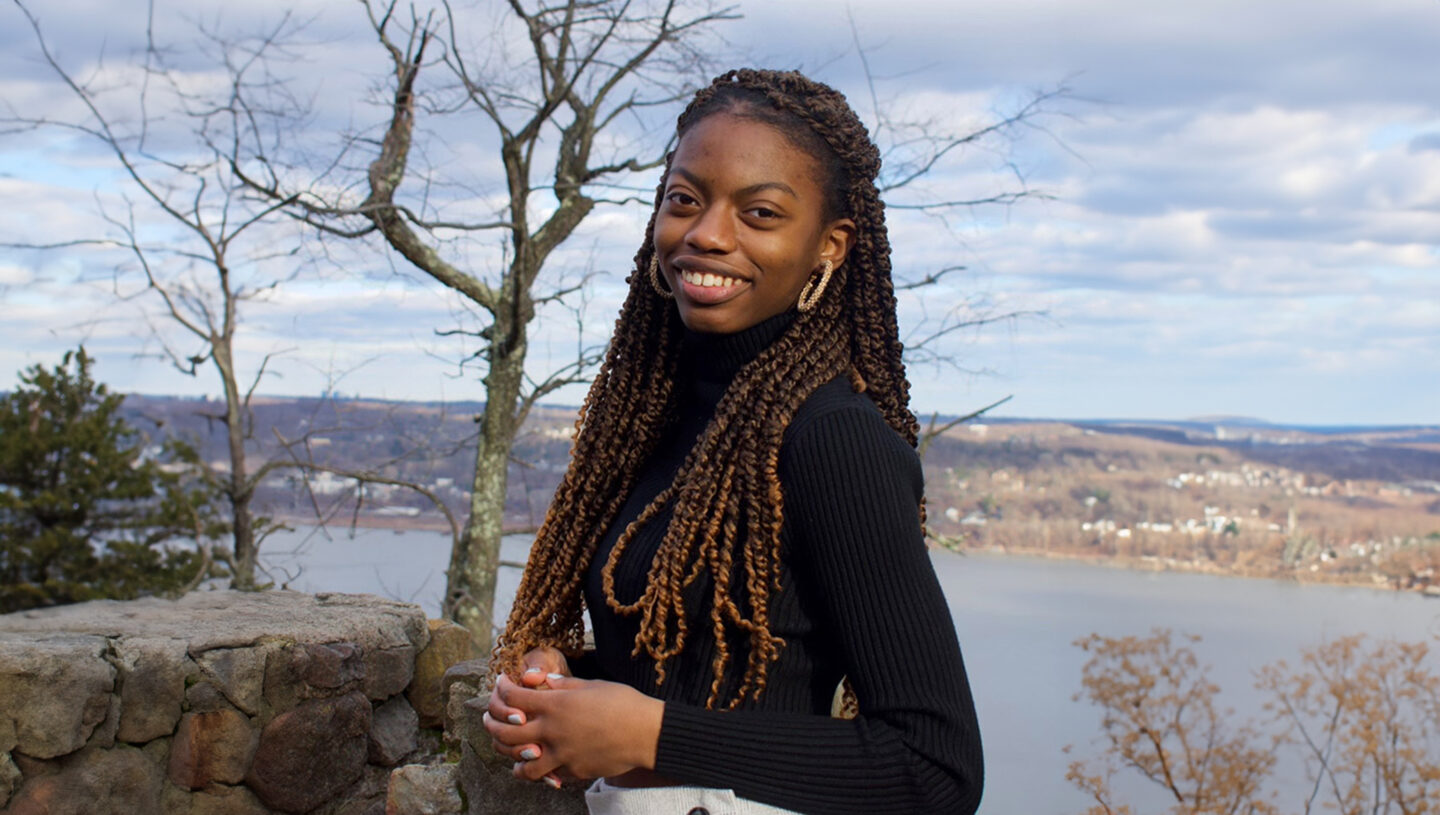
750,190
769,185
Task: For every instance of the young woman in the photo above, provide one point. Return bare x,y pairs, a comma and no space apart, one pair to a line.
743,516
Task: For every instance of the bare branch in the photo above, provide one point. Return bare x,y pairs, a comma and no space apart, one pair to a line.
933,431
937,146
1002,198
367,477
930,278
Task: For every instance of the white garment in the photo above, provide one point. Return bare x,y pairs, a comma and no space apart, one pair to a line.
605,799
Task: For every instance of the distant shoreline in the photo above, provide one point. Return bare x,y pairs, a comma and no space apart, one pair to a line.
1133,564
398,523
1158,565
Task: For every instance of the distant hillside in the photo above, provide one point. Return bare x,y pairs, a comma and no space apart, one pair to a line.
1249,498
1363,505
1380,454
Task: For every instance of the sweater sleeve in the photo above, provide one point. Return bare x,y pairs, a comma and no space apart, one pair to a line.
851,503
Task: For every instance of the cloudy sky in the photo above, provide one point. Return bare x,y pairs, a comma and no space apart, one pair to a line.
1240,211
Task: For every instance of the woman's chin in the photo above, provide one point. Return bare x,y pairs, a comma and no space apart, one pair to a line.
713,320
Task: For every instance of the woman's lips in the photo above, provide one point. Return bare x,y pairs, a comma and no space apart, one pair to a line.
710,288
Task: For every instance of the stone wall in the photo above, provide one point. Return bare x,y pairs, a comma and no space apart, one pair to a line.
220,703
231,703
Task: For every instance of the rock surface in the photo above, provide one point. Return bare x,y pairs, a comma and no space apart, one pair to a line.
152,686
450,644
424,790
310,754
216,799
330,665
394,732
473,672
213,747
207,620
237,673
54,691
9,778
245,704
94,780
388,671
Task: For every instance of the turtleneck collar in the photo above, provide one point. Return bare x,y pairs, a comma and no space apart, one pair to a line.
717,357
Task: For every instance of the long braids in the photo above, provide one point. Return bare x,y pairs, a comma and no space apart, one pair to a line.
728,502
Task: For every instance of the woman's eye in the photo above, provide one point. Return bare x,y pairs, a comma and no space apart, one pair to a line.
764,212
681,199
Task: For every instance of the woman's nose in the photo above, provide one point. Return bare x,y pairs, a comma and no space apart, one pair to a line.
713,230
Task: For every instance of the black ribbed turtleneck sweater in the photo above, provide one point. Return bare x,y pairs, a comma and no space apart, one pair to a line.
858,598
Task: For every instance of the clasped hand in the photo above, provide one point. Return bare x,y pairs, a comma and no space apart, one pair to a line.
554,724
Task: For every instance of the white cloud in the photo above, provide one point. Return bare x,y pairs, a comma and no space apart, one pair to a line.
11,275
1248,212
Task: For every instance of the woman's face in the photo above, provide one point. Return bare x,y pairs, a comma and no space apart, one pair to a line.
741,226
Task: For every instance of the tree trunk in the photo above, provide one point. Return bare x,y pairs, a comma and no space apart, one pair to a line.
470,581
245,550
239,491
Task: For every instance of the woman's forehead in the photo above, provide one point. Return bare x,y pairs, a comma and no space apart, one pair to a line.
742,151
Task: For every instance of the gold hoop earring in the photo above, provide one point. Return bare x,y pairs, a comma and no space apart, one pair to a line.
811,294
655,278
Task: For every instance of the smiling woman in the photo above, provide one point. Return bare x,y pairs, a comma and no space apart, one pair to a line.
743,516
742,224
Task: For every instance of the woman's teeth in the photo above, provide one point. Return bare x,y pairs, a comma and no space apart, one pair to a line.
708,279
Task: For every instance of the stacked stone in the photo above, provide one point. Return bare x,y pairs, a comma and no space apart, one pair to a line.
220,703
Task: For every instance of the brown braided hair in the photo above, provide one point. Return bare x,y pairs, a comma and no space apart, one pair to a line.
728,503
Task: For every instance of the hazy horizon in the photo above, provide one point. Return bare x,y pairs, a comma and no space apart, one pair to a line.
923,415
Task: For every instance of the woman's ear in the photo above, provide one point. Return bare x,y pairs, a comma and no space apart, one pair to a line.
836,241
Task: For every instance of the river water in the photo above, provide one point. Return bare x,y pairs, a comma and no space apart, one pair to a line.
1017,619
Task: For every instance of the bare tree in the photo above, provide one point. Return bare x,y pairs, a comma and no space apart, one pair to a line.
200,247
567,110
578,87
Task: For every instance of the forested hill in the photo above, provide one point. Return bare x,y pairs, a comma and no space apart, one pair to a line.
1230,495
1374,453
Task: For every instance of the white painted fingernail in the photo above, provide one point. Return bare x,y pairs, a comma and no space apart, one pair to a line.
552,781
532,670
554,676
515,718
529,754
